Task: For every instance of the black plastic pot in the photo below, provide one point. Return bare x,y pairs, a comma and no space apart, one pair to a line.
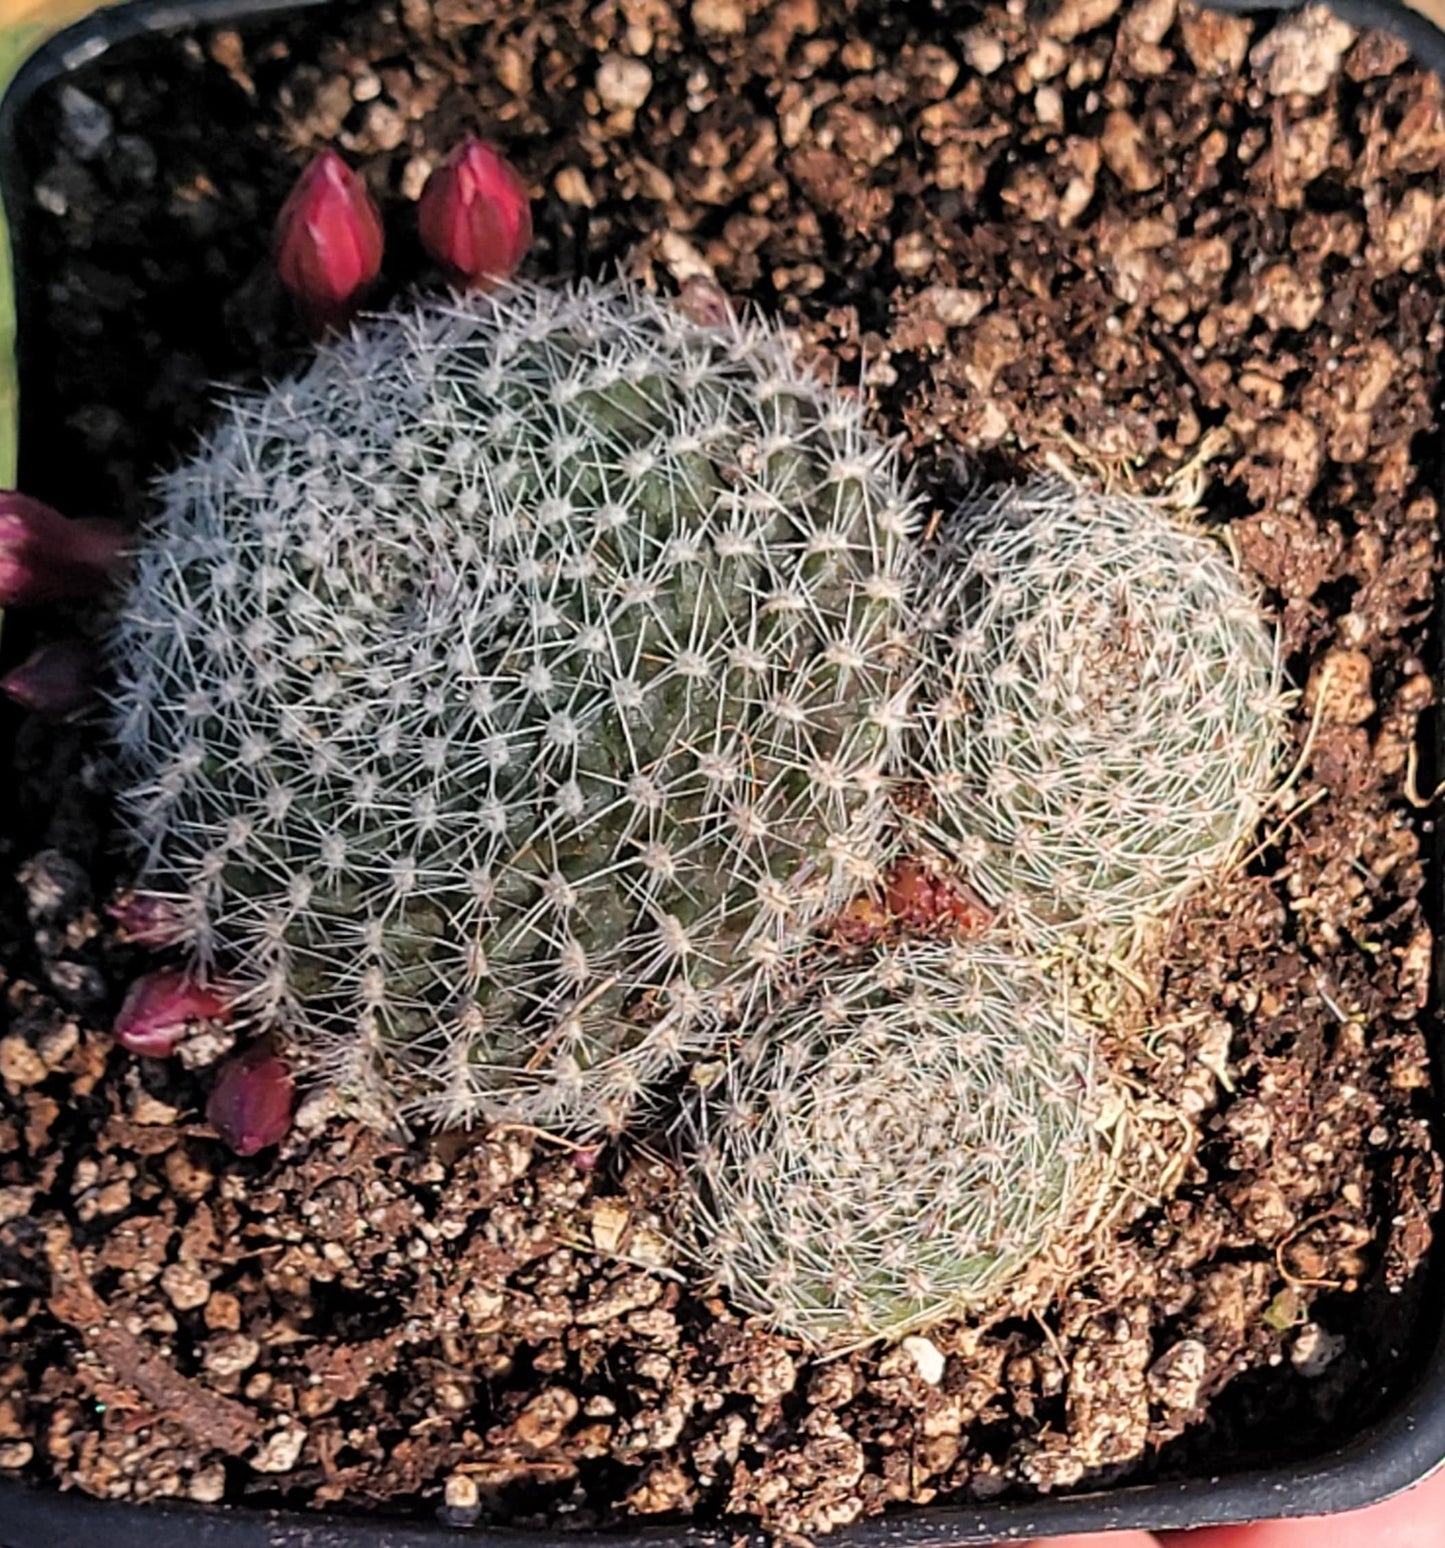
1384,1458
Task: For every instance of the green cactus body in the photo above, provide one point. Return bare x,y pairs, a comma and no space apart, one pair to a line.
505,696
901,1146
1100,716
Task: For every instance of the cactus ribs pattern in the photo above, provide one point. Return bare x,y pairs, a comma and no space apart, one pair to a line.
1101,715
500,699
901,1145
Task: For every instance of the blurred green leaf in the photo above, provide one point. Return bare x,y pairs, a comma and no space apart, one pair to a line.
24,26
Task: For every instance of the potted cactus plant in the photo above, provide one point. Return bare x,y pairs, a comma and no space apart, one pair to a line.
655,883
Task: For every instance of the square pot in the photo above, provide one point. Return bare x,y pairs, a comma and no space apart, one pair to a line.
1392,1453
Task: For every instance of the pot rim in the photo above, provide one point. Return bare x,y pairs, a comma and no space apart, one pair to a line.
1388,1457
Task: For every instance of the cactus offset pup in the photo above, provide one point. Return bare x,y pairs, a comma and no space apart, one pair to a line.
906,1143
1100,716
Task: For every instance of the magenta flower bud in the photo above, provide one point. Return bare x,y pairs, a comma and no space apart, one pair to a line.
45,556
147,919
251,1102
475,216
328,243
160,1009
55,680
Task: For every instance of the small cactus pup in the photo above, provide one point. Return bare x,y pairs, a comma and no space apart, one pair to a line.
500,700
914,1140
1100,718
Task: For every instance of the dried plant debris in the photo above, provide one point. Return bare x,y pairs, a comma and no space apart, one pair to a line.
1182,253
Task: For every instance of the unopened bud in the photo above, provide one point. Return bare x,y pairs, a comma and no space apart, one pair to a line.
56,680
45,556
703,300
328,243
252,1100
160,1009
146,919
921,901
475,216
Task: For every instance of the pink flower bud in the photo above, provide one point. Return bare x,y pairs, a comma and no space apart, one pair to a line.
146,919
250,1105
328,243
45,556
475,216
705,302
160,1008
55,680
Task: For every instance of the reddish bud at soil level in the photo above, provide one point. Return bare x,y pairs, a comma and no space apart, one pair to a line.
250,1105
924,902
55,680
45,556
475,217
328,243
161,1007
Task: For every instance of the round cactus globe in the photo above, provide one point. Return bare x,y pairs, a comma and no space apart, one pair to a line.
500,698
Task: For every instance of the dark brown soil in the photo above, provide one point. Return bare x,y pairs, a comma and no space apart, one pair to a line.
1173,250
